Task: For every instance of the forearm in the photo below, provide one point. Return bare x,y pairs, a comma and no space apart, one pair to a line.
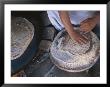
64,16
97,17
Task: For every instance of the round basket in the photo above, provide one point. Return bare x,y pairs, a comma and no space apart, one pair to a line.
22,32
70,56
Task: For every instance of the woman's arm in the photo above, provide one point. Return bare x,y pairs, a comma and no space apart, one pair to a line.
64,16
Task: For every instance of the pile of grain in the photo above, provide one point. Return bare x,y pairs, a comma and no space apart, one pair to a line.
67,44
68,55
22,32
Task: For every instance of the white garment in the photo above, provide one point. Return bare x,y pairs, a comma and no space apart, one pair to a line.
76,17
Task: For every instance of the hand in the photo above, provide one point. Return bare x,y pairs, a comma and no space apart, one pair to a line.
88,24
79,38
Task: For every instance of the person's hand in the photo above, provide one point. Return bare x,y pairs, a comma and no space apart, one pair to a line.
79,38
88,24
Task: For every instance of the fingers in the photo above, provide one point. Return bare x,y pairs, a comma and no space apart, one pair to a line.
84,28
85,37
82,40
79,41
79,38
86,20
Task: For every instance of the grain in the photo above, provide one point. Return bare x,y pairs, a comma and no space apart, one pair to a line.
22,32
68,55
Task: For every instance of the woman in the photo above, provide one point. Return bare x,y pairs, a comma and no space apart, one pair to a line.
86,20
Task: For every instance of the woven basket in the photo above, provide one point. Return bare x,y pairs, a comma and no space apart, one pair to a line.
76,60
22,32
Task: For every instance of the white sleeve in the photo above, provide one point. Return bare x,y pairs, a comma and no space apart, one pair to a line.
55,19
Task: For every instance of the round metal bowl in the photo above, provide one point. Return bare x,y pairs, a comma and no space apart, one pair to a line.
78,60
